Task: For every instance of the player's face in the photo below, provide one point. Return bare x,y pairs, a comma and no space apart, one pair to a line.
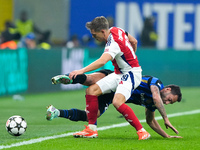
168,97
99,36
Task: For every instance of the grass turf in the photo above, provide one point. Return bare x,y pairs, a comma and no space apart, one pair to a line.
33,110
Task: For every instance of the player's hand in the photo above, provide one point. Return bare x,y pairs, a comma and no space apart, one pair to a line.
169,125
75,73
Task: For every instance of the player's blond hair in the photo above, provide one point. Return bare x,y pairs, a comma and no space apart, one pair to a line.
97,24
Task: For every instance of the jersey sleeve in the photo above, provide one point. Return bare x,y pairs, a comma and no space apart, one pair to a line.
157,82
112,48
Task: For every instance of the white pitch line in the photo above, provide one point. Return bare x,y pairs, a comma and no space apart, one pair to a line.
32,141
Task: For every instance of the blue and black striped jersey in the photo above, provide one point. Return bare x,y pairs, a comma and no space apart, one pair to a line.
142,94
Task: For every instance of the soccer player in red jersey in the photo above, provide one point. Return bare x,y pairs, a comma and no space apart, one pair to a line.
120,49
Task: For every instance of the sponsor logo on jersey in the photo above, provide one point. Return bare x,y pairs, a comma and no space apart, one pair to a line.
106,50
121,82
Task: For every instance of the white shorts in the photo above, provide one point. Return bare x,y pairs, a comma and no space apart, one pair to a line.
120,83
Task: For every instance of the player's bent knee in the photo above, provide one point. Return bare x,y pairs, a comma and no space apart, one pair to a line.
93,90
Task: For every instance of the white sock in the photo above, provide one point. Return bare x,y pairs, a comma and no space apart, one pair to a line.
58,113
142,129
92,127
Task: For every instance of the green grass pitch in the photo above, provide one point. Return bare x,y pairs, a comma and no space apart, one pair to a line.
33,109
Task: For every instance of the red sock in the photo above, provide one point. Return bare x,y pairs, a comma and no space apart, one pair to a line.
130,116
92,106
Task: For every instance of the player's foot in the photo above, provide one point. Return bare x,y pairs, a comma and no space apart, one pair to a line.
52,113
61,79
143,134
87,133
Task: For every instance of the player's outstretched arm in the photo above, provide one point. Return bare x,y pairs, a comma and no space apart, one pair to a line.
151,121
105,57
160,106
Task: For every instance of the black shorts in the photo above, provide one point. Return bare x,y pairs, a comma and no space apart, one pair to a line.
106,71
104,101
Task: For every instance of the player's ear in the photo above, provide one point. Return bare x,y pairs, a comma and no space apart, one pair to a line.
168,89
102,31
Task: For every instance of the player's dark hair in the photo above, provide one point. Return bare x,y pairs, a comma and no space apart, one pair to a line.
175,90
97,24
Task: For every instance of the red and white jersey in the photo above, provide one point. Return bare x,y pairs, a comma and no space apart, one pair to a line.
119,47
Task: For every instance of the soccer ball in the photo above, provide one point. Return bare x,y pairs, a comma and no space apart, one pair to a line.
16,125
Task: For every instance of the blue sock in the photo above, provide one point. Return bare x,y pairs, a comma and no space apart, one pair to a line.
73,114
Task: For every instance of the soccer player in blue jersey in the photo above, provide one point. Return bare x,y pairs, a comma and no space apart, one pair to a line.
151,94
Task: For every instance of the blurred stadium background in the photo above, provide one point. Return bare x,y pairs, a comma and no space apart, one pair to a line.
174,58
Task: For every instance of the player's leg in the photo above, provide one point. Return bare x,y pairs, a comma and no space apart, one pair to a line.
84,79
79,115
92,93
81,78
107,84
92,78
103,102
122,94
64,79
103,86
71,114
119,103
76,114
96,76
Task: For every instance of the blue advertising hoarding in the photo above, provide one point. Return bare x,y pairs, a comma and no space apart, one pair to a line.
177,22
